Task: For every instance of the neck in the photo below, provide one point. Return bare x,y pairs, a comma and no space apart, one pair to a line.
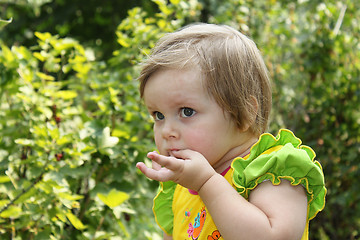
238,151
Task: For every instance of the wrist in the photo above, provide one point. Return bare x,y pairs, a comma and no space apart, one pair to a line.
208,180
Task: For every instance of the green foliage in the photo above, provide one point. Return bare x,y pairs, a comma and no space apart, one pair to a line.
312,51
91,22
58,153
3,23
72,129
72,125
317,75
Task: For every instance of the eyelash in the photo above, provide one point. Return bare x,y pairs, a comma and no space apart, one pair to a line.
182,112
155,114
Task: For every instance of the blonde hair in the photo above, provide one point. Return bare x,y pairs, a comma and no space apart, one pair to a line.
234,71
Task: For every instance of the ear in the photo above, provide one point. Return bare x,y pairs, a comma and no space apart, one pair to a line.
252,113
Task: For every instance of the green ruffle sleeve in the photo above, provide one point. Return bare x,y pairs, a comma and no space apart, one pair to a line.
162,207
290,160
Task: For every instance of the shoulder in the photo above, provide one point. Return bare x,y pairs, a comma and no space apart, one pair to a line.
280,158
269,194
285,206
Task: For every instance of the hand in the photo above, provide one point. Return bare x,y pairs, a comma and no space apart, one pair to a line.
187,168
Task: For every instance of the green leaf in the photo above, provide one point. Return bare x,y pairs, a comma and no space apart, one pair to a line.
66,94
161,23
75,221
3,203
121,133
25,142
7,54
26,196
68,196
61,216
105,140
113,198
3,23
12,211
122,41
63,140
43,36
4,179
39,56
175,2
45,76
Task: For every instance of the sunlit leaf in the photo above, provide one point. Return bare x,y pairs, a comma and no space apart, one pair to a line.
4,179
43,36
66,94
45,76
7,54
113,198
123,42
3,23
161,24
11,212
121,133
68,196
3,203
26,196
25,142
75,221
39,56
175,2
105,140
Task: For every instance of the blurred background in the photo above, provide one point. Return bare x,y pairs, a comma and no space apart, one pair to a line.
72,124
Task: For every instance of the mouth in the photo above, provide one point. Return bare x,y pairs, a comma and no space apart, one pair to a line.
170,152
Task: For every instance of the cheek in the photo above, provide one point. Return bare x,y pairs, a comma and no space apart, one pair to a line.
157,139
201,141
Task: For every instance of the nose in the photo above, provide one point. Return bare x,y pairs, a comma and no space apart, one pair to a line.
170,130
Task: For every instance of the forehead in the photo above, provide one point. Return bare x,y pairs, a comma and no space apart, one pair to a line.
174,83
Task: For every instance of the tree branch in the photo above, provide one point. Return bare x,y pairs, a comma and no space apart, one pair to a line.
340,19
23,192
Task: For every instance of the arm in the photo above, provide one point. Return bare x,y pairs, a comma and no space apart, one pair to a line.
278,211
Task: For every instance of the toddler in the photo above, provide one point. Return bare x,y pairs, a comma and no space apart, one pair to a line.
221,176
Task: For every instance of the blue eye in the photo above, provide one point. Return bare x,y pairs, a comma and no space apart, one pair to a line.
158,116
187,112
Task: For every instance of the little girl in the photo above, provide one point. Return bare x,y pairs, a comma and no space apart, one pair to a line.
221,176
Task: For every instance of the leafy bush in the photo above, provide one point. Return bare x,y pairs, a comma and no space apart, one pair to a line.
72,126
67,146
72,129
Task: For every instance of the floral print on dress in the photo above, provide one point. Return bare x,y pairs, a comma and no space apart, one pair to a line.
195,229
214,236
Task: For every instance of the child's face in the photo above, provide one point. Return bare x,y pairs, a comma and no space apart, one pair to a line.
186,117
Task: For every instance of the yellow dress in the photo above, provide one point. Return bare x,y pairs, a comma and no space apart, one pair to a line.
181,213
